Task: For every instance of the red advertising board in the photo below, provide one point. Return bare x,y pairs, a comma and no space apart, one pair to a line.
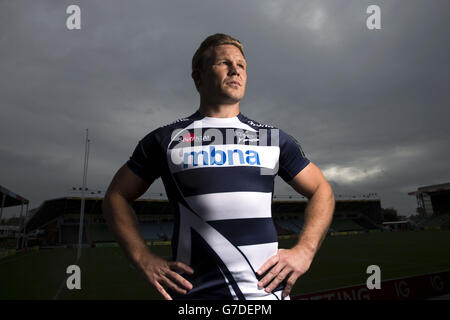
410,288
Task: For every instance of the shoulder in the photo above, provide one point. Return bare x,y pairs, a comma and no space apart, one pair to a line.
181,122
289,143
255,124
165,131
286,140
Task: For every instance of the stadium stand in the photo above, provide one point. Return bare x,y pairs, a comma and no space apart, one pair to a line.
433,205
59,219
99,233
344,224
156,231
288,225
10,233
441,220
365,222
370,208
281,231
150,231
69,234
298,223
433,200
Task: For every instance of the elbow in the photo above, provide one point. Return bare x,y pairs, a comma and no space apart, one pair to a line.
326,194
327,188
324,190
331,198
112,201
329,192
105,204
104,207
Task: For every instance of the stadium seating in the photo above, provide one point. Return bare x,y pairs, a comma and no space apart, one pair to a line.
344,224
100,233
149,231
155,231
436,221
69,234
293,225
365,222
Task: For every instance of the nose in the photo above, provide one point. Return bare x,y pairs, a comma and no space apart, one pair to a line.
233,69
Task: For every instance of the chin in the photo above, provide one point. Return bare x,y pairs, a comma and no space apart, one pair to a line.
234,97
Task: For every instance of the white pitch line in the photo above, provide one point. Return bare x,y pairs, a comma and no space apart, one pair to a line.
59,290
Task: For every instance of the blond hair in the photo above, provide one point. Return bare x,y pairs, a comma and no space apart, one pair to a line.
209,44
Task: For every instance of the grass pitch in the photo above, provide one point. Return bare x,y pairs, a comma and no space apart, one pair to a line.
107,274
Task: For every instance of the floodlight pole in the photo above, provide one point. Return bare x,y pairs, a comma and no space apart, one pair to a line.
86,159
21,225
1,208
25,222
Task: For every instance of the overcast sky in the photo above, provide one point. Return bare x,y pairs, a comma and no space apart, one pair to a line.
369,107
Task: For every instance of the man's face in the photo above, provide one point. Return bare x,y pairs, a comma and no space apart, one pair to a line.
223,76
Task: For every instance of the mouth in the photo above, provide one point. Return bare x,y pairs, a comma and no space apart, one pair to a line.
234,83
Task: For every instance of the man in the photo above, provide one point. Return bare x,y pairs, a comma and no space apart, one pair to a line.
218,168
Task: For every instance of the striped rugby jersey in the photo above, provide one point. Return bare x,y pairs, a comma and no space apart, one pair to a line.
219,177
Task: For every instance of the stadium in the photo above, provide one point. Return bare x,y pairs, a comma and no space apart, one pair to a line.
36,252
433,205
56,221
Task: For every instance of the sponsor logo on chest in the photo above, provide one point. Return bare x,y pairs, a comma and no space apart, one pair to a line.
213,157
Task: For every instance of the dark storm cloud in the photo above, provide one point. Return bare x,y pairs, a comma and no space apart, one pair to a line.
369,107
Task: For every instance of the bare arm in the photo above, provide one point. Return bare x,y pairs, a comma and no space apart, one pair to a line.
119,215
292,263
319,212
121,219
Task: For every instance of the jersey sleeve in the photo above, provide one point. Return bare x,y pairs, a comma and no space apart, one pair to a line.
146,160
292,157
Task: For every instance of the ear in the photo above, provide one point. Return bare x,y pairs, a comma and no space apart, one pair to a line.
196,77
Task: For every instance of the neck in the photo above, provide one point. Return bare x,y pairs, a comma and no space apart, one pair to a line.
219,110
